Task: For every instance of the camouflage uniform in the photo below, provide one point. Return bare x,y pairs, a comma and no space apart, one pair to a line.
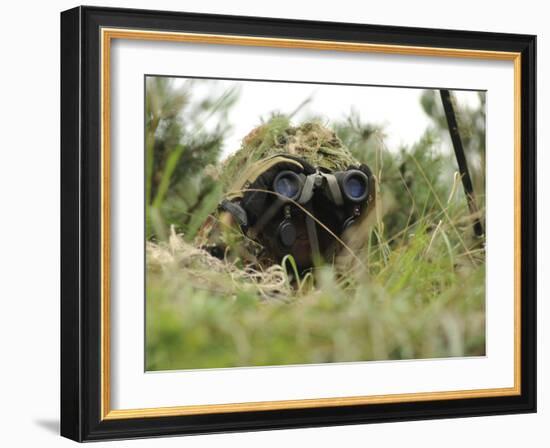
266,150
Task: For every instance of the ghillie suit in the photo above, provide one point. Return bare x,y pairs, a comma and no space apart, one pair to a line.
294,191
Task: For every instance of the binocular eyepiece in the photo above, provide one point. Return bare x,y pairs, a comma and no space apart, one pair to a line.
288,184
353,184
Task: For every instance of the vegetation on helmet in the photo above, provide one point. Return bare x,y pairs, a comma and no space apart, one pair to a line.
311,141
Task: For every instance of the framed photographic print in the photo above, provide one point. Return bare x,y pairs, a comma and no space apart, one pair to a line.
273,223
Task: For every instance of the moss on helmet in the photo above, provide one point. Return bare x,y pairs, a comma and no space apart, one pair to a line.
310,141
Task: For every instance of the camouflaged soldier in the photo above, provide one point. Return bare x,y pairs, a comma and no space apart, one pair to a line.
289,191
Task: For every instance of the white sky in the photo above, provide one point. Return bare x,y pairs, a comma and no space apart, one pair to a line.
397,109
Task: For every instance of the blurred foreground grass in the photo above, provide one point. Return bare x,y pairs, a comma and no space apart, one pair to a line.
424,302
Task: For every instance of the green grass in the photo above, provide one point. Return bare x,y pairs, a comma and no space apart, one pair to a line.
422,298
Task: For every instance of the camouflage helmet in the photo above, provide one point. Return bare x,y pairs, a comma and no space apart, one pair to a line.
311,141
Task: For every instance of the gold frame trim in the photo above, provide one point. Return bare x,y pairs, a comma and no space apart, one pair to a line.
107,35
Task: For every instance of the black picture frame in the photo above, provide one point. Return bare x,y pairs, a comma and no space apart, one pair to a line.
81,224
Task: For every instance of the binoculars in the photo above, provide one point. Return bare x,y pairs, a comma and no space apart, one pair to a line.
293,208
335,199
352,185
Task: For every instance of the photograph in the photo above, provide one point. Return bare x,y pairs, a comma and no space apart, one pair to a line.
273,223
294,223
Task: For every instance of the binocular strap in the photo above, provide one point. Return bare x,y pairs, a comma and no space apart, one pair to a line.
311,227
332,183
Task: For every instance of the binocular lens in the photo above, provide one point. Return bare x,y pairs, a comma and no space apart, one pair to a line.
287,183
355,186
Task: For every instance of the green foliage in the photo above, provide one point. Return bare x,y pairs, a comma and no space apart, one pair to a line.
178,149
415,181
471,122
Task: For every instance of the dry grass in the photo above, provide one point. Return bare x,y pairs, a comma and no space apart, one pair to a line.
212,274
